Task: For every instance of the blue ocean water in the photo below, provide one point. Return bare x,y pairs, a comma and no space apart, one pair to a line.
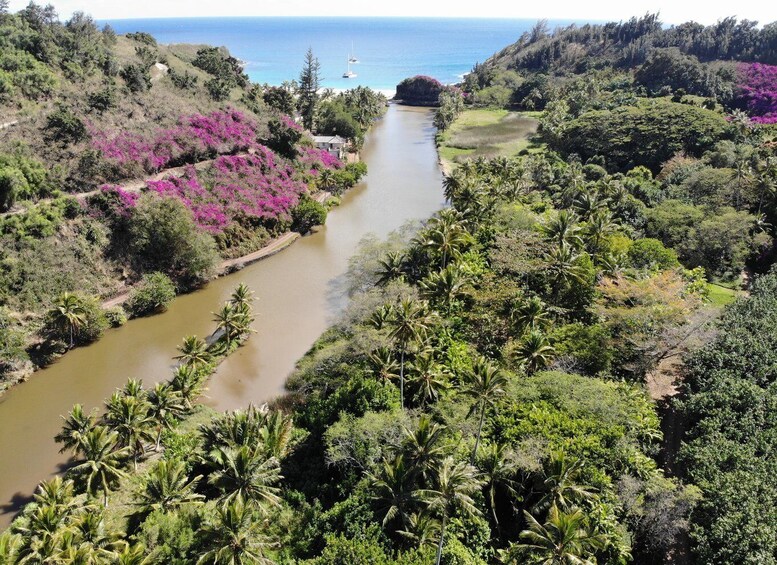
388,49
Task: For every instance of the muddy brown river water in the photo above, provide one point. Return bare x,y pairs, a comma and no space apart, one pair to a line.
299,292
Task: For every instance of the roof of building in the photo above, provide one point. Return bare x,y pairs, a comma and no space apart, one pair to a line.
329,139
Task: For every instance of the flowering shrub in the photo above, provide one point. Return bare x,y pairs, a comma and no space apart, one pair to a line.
248,190
113,203
313,160
195,138
756,92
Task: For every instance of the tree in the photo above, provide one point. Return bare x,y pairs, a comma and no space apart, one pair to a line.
194,352
564,538
100,468
444,286
561,485
165,406
484,384
167,487
188,381
409,322
428,376
242,473
233,538
129,417
77,424
423,446
164,237
153,294
531,315
308,97
456,482
68,315
534,351
4,6
499,469
232,321
393,489
383,364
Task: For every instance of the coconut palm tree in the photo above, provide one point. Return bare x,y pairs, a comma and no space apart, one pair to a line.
422,529
91,534
484,384
383,364
534,352
446,239
242,297
233,321
380,317
561,485
565,537
564,229
103,458
393,490
499,467
239,428
68,315
599,227
456,483
391,268
188,382
427,376
233,538
129,417
276,434
423,447
42,535
134,388
165,405
244,473
58,493
132,555
194,352
563,267
590,203
409,322
77,423
9,547
531,315
444,286
167,487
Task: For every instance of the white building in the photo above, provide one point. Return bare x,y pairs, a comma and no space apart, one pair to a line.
332,144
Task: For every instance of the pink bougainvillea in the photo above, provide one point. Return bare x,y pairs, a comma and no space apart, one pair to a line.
756,91
243,189
313,159
194,138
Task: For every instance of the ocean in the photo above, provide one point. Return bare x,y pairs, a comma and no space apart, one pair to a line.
388,49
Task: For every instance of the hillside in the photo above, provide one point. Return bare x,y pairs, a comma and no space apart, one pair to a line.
127,163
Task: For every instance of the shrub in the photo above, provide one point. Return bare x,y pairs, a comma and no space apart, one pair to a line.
165,238
419,90
64,125
90,326
306,214
136,77
154,292
649,253
116,316
12,184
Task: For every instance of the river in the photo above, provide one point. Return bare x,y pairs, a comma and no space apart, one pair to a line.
299,294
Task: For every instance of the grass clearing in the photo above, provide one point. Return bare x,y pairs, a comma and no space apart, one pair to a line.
486,133
720,296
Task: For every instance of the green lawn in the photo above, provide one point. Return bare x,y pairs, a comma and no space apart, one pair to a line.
486,133
720,295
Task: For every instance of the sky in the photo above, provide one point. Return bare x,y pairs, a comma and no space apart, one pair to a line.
671,11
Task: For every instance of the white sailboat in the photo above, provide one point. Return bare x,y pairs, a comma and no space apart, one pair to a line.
349,73
352,57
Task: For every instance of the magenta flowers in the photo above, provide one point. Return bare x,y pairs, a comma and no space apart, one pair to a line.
756,92
195,138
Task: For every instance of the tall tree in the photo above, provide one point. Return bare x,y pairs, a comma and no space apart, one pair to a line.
101,466
483,384
409,322
307,92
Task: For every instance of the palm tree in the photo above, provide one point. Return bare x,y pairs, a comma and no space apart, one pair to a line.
132,555
129,418
244,473
165,405
446,239
565,537
77,423
57,492
455,485
499,468
234,538
391,268
101,544
167,487
239,428
534,352
276,434
409,322
531,315
68,315
134,388
422,529
428,376
233,321
9,546
380,317
599,226
484,384
194,351
564,229
242,297
383,364
445,286
561,485
103,458
563,267
590,203
393,489
188,382
422,447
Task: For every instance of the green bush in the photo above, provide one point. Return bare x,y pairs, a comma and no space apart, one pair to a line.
86,326
649,253
165,238
152,294
307,214
116,316
136,77
64,125
12,185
